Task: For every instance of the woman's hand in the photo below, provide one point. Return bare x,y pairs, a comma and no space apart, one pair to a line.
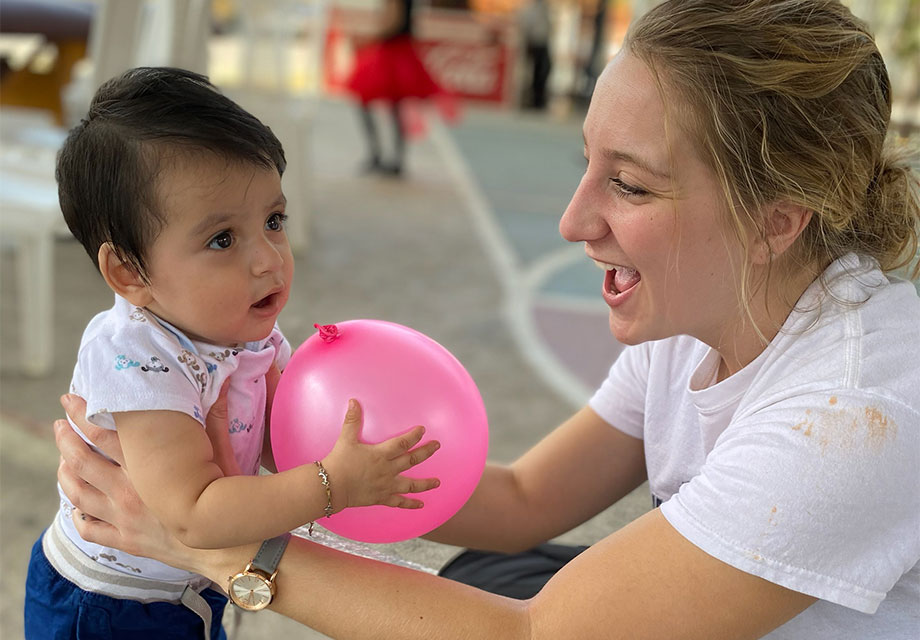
216,426
108,510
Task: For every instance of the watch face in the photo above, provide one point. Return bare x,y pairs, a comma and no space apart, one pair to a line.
250,591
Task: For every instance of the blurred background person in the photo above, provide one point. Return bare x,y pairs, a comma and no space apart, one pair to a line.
536,29
390,71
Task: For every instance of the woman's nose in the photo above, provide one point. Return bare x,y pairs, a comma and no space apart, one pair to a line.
582,220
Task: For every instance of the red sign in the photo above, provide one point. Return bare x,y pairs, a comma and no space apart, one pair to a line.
476,72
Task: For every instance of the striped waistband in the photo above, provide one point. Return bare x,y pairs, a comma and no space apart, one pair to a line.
74,565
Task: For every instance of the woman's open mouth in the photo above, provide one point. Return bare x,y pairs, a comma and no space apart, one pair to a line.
619,279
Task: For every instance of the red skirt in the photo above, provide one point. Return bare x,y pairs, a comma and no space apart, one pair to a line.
390,70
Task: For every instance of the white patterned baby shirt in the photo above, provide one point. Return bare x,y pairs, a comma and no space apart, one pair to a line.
131,360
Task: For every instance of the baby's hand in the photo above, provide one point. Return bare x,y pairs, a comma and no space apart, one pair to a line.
363,474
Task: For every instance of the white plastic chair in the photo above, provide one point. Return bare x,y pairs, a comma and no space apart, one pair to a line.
133,33
124,34
268,32
29,221
30,217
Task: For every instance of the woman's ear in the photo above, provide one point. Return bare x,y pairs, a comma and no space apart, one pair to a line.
122,278
784,223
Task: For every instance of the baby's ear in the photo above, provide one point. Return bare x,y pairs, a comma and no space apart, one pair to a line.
123,278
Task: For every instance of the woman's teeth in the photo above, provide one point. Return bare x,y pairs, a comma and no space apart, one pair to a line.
623,278
626,271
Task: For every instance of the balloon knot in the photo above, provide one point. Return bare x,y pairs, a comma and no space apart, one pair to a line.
328,332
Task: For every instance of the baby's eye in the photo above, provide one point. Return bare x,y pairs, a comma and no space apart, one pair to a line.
222,240
276,221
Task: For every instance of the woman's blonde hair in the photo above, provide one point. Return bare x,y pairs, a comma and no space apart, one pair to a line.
790,100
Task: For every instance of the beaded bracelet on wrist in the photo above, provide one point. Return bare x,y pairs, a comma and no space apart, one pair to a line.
324,479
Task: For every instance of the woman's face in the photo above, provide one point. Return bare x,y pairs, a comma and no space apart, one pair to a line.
649,210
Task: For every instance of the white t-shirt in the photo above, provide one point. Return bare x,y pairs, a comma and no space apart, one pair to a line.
804,467
130,360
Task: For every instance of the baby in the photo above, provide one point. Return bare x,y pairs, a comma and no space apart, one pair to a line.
175,193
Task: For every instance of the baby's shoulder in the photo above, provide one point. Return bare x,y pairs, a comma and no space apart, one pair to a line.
128,337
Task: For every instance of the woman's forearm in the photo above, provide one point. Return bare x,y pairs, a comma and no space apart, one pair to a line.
346,596
495,518
561,482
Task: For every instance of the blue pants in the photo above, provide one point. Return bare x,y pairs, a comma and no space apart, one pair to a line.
57,609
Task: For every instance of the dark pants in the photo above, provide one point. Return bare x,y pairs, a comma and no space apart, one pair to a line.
540,64
515,575
376,161
57,609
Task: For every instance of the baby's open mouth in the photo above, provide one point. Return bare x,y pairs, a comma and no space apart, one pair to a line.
619,278
264,302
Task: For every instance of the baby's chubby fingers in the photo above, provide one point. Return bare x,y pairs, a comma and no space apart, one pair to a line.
409,459
351,427
419,485
404,502
412,485
398,445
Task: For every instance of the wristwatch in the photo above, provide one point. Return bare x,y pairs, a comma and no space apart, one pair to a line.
253,588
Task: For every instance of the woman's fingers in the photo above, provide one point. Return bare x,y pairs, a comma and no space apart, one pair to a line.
217,415
105,439
85,463
98,531
82,495
271,383
216,427
92,482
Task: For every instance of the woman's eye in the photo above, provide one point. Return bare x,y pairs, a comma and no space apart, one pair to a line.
624,190
276,222
222,240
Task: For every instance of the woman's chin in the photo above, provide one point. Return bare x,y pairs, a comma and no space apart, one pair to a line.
626,332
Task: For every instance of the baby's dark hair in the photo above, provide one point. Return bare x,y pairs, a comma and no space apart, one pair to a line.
107,169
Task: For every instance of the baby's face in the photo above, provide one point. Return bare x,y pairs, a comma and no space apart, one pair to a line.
221,268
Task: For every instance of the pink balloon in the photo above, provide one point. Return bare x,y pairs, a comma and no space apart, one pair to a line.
402,378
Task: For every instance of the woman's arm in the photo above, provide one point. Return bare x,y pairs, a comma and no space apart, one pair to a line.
581,468
644,581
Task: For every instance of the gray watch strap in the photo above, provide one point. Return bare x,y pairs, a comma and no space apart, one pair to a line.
269,555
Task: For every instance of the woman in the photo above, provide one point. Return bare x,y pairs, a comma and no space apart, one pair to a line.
741,201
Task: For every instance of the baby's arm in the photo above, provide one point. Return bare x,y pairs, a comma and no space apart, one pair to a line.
171,462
